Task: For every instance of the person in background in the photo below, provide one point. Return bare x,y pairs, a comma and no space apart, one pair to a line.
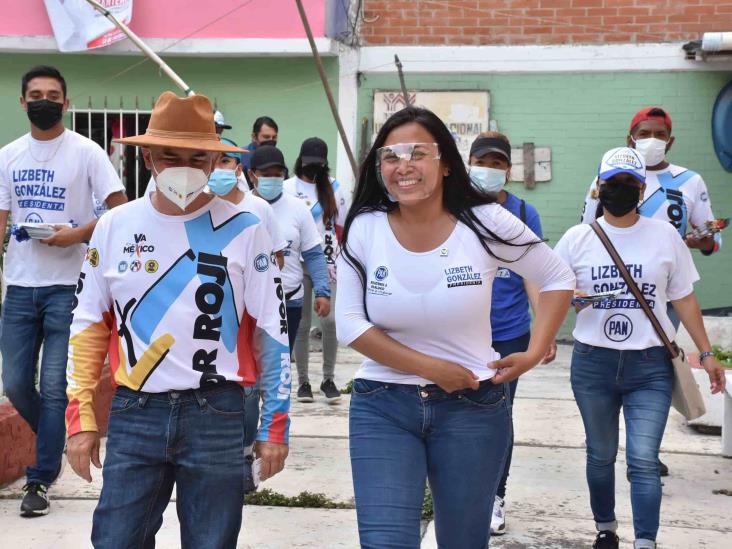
619,361
324,198
490,170
49,175
264,130
220,123
673,193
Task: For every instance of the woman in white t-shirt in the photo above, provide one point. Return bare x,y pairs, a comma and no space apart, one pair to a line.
619,361
324,198
419,252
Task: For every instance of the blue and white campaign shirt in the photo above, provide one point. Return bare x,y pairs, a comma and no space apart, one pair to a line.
436,302
51,182
659,262
675,194
308,193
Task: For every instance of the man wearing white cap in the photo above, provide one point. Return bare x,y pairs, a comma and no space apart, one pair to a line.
221,124
179,287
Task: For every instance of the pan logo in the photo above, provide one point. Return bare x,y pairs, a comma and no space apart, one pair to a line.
618,328
381,273
261,263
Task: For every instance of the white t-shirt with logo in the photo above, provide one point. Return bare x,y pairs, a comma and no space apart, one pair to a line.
674,195
257,206
51,182
300,233
436,302
659,262
308,193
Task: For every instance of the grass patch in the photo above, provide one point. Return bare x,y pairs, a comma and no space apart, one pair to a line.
308,500
723,356
428,509
348,389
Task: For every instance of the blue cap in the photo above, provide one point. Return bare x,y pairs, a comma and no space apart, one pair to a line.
227,141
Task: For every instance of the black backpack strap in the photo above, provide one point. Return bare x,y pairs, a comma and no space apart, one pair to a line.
522,211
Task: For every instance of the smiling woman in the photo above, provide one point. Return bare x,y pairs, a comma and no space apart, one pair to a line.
420,249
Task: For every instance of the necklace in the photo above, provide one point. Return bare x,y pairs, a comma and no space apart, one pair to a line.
44,160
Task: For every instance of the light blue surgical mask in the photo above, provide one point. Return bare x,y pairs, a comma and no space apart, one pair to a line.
489,180
270,188
222,181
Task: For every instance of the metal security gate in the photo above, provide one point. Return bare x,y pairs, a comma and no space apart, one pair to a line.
104,125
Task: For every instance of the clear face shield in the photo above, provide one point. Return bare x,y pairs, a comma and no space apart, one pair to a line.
408,171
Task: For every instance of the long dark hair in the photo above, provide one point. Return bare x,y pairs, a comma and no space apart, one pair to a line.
326,196
459,196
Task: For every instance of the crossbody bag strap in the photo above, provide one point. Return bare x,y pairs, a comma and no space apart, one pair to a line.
633,287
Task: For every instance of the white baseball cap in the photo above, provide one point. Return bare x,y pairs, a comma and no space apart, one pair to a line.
622,160
220,122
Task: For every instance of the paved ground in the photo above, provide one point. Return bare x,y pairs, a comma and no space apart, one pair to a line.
547,496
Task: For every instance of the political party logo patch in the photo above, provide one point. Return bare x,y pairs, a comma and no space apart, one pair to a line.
122,267
33,217
381,273
261,263
151,266
138,247
93,256
618,328
135,266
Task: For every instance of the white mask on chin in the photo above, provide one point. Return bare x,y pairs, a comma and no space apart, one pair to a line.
181,185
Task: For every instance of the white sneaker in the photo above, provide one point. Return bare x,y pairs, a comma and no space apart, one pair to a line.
498,520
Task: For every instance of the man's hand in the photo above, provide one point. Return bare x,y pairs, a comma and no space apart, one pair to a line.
273,458
322,306
705,244
716,373
551,354
64,237
81,449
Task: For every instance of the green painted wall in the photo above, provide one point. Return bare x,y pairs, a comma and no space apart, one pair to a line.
287,89
580,116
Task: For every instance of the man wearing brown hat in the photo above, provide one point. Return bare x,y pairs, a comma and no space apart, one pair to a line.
179,287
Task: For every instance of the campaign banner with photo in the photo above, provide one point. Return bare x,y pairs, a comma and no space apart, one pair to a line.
78,26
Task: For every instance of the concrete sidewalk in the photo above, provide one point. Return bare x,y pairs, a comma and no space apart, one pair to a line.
547,504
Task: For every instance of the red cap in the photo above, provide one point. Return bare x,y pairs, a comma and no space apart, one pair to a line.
650,113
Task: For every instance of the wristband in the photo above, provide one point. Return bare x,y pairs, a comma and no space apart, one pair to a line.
704,355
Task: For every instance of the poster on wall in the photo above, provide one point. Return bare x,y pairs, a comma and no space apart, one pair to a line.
77,26
465,113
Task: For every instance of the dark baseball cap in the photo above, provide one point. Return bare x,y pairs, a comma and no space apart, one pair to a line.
314,151
484,145
266,156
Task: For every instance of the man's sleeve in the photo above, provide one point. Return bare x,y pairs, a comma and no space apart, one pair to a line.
591,203
103,178
89,339
265,322
5,196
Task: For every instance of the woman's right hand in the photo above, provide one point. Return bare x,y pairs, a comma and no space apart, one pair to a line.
716,373
451,377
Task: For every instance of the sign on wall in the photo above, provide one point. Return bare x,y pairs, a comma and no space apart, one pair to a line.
77,26
465,113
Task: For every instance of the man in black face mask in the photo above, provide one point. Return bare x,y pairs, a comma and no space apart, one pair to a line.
47,178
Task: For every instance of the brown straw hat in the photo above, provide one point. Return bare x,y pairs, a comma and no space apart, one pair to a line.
181,123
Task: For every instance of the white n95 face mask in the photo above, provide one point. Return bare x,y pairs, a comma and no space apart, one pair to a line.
653,150
181,185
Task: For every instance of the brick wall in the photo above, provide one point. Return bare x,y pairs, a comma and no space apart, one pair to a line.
499,22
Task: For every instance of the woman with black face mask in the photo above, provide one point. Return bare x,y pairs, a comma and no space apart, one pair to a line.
619,360
325,199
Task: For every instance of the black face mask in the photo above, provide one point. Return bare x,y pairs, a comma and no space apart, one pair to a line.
44,114
619,198
311,172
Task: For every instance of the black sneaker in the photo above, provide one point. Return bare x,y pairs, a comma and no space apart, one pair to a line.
606,540
331,392
662,468
249,485
35,500
305,393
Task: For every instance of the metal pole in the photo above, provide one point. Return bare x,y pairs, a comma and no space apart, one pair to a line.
326,86
144,47
407,103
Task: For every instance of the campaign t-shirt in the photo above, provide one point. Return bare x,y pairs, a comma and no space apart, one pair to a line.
308,193
510,316
675,194
257,206
180,302
300,233
51,182
436,302
659,262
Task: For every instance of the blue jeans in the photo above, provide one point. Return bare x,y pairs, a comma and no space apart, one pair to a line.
252,403
32,317
603,381
194,439
402,435
505,348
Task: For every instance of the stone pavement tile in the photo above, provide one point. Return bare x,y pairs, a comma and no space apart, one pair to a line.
68,526
319,418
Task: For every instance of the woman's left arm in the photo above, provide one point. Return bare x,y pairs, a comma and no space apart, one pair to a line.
690,314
